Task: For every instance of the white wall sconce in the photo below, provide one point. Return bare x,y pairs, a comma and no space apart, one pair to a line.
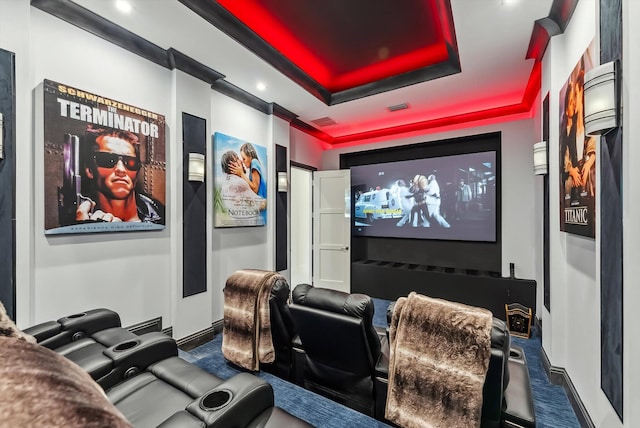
540,158
196,167
601,99
283,181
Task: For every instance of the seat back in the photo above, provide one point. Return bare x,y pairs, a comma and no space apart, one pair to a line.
497,378
340,342
282,327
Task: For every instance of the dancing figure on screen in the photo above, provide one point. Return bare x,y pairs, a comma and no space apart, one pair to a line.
432,192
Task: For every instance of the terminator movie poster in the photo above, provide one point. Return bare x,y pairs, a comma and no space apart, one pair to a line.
104,163
577,155
240,197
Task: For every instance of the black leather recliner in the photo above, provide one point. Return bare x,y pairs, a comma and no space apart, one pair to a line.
498,378
175,393
96,341
338,345
282,329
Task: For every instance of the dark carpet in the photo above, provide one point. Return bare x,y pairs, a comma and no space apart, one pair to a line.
551,405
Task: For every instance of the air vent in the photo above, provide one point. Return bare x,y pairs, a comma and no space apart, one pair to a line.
324,121
398,107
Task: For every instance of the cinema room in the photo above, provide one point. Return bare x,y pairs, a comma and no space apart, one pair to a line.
356,213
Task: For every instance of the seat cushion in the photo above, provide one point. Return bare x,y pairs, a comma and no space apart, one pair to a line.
167,387
147,401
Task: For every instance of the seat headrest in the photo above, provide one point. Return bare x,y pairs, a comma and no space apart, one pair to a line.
500,337
355,305
280,289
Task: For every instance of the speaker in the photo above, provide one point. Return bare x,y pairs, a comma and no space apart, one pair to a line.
518,320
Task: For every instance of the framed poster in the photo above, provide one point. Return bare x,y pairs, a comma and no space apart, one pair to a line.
240,196
104,164
577,155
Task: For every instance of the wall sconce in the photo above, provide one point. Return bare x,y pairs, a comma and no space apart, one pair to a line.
601,99
196,167
540,158
283,181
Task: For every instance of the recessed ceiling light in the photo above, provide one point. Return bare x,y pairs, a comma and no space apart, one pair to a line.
123,6
261,86
509,2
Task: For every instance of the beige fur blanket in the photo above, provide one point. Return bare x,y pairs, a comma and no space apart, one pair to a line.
9,329
246,335
39,388
438,362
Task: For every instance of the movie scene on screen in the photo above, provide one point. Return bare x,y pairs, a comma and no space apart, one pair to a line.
448,198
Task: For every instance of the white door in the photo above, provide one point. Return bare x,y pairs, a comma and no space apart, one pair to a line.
301,188
331,230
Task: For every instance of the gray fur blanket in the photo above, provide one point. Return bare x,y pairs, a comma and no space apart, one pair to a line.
438,362
246,335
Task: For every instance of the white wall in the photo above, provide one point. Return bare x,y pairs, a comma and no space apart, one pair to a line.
193,313
138,274
575,260
244,247
574,289
130,272
306,149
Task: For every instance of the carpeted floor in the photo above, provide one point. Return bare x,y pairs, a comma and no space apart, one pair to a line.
313,408
551,404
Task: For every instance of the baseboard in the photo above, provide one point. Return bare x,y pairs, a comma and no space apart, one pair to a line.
186,343
200,337
559,376
146,326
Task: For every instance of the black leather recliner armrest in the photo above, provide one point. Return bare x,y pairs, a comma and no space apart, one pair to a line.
236,402
44,331
133,356
519,410
73,327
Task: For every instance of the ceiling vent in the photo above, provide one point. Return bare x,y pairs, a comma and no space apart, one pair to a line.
324,121
398,107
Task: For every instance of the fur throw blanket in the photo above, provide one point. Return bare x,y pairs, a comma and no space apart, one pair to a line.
9,329
439,358
39,388
246,334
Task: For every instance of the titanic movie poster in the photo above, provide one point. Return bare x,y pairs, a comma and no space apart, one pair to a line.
577,155
104,163
240,197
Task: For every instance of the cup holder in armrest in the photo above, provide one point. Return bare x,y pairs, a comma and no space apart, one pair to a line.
516,353
125,345
80,315
216,400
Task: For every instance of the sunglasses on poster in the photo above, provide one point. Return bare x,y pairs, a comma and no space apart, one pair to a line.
109,160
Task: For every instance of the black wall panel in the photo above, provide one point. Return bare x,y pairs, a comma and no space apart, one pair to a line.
7,184
281,212
194,209
611,264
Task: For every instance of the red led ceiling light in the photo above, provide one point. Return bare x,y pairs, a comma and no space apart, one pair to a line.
349,49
